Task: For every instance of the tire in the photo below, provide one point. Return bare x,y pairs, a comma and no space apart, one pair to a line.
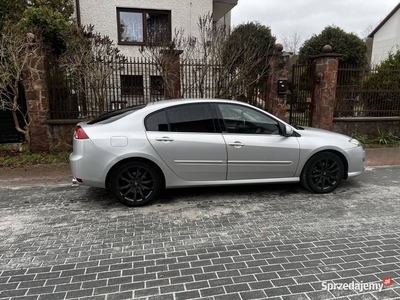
322,173
136,184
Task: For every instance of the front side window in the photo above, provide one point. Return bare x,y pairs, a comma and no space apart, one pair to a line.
140,26
245,120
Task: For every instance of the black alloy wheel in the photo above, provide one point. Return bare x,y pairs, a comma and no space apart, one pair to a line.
135,184
322,173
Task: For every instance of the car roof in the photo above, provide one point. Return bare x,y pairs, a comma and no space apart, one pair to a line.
191,100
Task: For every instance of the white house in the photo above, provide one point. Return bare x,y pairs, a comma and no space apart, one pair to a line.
133,23
386,36
130,23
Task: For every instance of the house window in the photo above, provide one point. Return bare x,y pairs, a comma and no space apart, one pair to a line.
139,26
156,85
132,84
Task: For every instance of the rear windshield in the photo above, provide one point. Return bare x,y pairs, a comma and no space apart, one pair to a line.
114,115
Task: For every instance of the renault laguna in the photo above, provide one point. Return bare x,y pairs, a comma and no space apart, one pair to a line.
139,151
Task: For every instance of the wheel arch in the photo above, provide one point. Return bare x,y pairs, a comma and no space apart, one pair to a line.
134,159
339,154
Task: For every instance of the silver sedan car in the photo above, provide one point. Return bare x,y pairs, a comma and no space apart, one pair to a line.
139,151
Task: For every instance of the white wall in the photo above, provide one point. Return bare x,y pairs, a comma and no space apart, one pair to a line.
103,15
386,39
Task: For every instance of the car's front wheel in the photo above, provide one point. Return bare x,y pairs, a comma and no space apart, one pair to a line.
322,173
136,183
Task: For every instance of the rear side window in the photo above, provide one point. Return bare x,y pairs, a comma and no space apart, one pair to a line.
157,122
191,118
182,118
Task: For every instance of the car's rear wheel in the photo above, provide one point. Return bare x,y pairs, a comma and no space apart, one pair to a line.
136,183
322,173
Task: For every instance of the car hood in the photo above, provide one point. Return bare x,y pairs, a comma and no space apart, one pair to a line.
316,136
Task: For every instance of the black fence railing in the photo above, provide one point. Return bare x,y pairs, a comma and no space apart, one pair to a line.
132,82
367,92
138,81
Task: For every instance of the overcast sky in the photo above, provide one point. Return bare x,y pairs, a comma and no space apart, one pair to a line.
308,17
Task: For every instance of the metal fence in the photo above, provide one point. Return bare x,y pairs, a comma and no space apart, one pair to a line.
367,92
301,94
138,81
132,82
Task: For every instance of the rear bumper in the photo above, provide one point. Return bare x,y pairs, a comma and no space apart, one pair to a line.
87,169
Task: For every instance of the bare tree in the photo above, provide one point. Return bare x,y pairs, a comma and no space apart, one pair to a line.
18,61
89,61
165,52
292,41
366,31
234,67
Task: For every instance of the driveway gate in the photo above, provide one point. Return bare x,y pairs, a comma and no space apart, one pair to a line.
302,95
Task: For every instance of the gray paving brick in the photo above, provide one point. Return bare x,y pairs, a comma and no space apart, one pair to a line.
182,279
297,297
187,295
31,297
106,290
319,295
41,290
240,255
62,280
79,293
12,286
283,282
13,293
300,288
305,279
288,273
132,286
258,285
146,292
228,297
53,296
244,278
17,278
68,287
277,291
122,295
85,277
205,276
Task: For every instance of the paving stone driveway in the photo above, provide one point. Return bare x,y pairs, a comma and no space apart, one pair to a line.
253,242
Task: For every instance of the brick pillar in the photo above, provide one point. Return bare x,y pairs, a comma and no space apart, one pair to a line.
37,104
172,76
276,103
326,68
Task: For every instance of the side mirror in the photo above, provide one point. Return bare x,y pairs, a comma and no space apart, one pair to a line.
288,131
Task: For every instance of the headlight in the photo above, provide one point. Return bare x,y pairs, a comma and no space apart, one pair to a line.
355,142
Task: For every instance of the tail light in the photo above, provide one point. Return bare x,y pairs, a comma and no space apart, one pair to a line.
80,134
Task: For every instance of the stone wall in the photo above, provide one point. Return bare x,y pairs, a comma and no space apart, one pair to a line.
367,127
61,136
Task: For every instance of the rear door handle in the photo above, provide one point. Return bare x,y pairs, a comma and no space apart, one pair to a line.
164,139
237,144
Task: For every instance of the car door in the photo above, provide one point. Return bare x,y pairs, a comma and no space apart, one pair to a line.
185,138
256,149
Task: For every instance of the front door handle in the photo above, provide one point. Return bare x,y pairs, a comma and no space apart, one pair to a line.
164,139
237,144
